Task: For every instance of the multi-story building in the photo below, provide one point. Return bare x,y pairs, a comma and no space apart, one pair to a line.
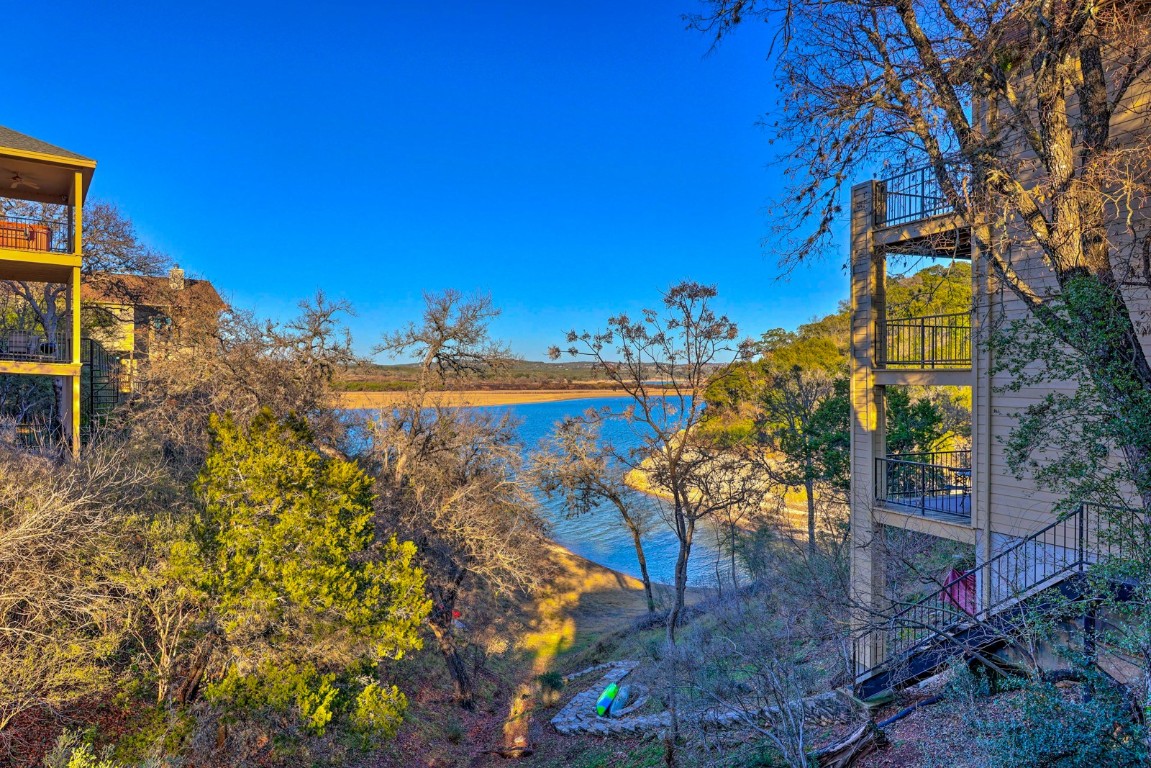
42,189
1011,528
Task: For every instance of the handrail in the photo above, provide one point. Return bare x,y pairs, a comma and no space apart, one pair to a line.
917,318
928,482
28,233
960,453
1066,546
931,341
33,345
910,196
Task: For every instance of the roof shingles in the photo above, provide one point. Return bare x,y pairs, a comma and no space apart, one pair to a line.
10,139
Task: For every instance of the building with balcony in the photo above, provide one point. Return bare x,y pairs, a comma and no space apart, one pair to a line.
42,190
1019,545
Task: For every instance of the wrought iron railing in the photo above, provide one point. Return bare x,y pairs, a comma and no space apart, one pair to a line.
908,197
33,345
933,341
25,233
1066,547
938,482
103,385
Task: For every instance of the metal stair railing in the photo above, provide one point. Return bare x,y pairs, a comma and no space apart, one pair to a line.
101,385
1062,549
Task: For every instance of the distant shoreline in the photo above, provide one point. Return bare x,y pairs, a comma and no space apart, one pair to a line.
479,397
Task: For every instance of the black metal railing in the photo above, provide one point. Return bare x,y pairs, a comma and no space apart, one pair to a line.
933,341
34,345
932,483
1066,547
103,385
25,233
908,197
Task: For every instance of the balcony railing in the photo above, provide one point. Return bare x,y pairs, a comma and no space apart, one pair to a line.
911,196
35,346
935,484
934,341
23,233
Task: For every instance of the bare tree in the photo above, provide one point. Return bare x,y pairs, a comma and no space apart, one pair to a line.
62,536
452,342
447,476
112,244
579,465
1031,117
238,364
663,362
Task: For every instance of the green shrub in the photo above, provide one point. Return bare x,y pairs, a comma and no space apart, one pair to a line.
154,729
379,711
1057,729
287,689
551,681
72,751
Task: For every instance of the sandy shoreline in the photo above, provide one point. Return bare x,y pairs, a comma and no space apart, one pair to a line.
479,397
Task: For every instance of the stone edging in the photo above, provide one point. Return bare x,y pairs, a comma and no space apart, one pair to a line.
579,716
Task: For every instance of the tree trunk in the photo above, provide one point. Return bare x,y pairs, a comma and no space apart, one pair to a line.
63,398
638,540
461,680
809,489
685,530
190,689
845,752
734,572
671,736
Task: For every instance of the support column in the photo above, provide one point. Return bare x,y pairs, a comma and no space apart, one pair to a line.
72,393
981,325
868,563
74,306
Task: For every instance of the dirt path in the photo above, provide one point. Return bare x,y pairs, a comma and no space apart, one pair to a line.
583,600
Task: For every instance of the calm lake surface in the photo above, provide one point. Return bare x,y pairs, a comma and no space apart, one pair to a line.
598,535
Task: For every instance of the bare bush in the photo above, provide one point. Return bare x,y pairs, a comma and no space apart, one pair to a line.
62,537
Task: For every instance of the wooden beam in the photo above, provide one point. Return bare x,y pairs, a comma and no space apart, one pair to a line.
938,377
944,529
28,368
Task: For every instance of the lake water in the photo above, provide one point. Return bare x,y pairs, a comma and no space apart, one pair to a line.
599,535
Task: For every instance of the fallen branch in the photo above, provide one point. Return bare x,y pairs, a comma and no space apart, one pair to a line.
843,753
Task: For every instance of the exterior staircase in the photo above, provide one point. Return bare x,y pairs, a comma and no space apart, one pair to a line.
101,385
1037,573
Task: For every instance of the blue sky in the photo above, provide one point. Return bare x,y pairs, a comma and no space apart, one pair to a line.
570,159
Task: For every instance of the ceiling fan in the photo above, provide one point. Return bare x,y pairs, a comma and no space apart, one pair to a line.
19,181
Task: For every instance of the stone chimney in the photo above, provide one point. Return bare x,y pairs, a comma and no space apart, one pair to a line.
176,278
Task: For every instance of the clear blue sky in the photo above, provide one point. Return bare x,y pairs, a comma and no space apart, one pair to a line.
571,159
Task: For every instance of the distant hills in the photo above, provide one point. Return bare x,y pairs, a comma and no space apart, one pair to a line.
520,374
